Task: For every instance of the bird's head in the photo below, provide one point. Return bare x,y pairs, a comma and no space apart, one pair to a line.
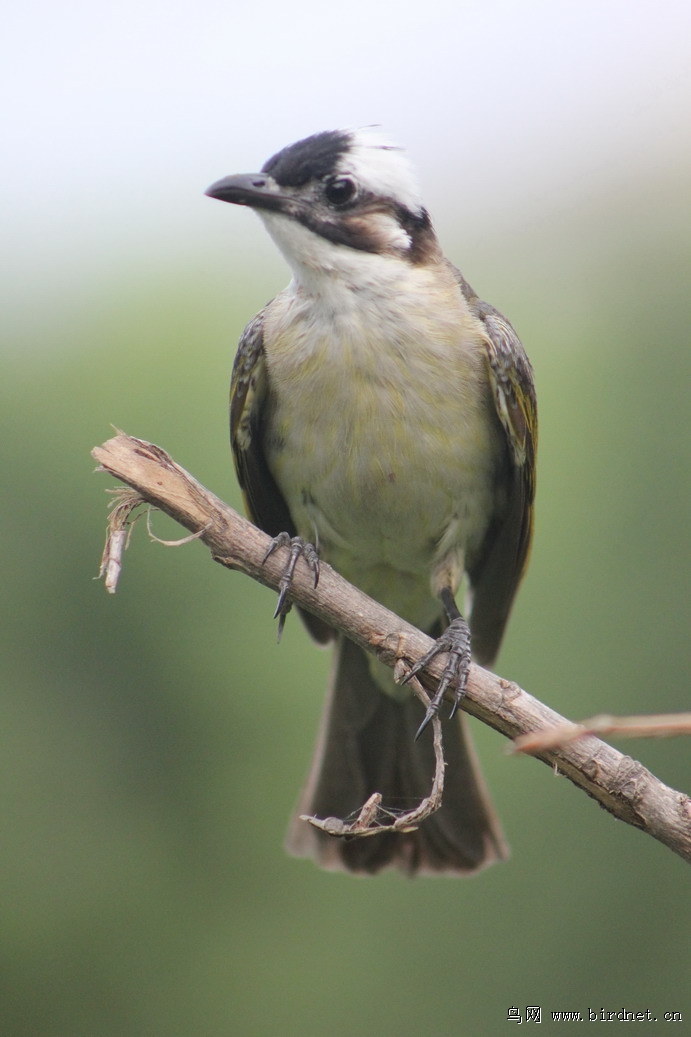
334,196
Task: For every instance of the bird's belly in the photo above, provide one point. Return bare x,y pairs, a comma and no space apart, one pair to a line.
388,475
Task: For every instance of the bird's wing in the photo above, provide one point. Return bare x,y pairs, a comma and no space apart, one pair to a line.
249,406
496,571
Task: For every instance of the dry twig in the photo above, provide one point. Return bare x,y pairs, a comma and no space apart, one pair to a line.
373,818
653,725
620,784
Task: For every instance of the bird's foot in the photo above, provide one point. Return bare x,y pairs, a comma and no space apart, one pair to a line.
298,548
455,641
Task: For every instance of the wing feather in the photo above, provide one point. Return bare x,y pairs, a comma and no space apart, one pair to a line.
497,570
250,402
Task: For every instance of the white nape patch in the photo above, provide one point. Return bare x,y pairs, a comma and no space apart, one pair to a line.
382,167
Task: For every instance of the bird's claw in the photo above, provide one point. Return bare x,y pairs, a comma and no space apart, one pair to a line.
455,641
298,548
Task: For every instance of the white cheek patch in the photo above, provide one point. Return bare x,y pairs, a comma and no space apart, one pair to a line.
382,168
301,247
389,233
305,248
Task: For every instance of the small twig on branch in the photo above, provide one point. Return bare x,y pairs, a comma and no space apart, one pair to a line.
620,784
373,818
661,725
120,525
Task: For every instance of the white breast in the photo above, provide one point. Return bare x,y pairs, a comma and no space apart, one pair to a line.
382,438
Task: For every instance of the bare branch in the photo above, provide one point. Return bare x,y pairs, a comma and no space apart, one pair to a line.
620,784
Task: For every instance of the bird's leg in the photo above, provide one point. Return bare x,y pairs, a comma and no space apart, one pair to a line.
298,548
456,642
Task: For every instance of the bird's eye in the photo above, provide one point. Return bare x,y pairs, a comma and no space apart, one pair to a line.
339,190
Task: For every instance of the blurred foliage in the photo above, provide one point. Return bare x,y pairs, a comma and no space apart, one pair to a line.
154,742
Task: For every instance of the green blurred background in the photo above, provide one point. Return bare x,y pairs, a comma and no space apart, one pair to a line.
153,743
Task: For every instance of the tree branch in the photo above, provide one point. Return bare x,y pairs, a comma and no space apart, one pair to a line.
620,784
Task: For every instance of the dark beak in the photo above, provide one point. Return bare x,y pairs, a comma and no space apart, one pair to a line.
257,190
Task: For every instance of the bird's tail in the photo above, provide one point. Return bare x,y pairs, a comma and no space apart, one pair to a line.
367,744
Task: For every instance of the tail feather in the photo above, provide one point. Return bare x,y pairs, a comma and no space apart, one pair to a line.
367,744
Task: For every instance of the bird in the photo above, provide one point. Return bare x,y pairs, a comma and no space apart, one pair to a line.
384,421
